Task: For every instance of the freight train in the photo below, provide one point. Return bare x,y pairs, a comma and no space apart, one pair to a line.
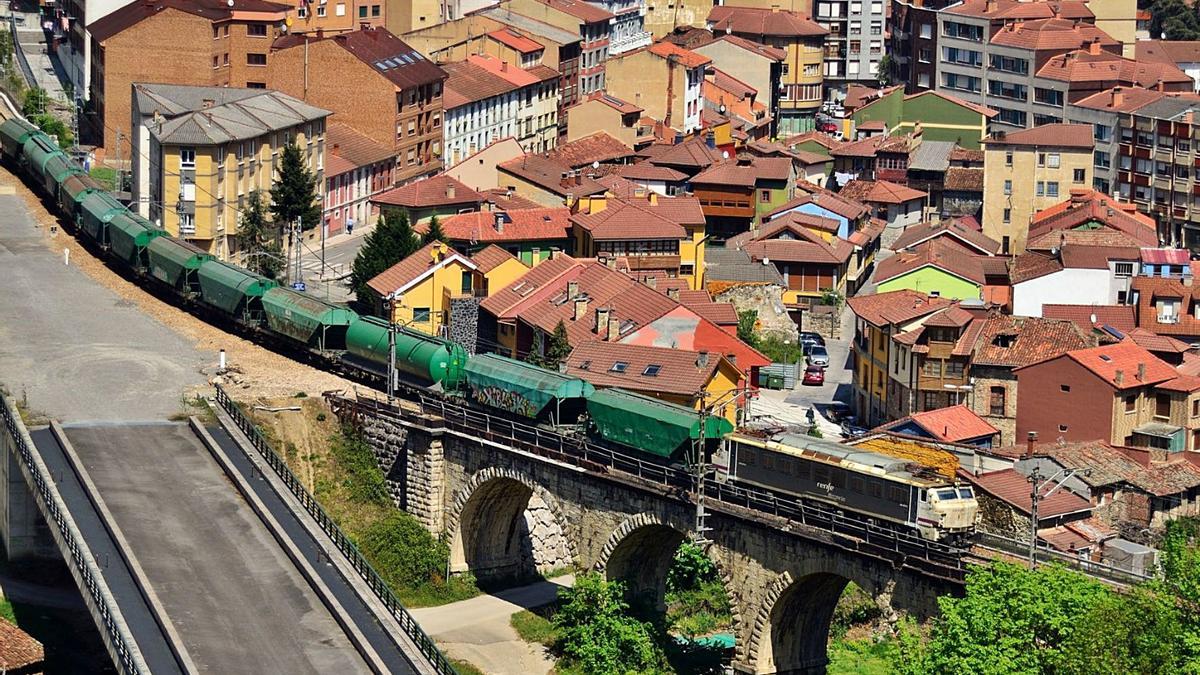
876,486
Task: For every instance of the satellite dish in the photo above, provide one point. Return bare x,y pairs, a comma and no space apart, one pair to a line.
229,2
596,164
724,154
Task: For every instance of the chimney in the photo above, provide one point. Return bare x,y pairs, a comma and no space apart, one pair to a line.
572,290
320,33
504,66
1119,378
1160,86
614,328
1054,10
1141,372
206,104
1094,46
499,220
702,360
652,282
1030,441
673,293
450,190
601,319
581,304
364,25
579,178
774,9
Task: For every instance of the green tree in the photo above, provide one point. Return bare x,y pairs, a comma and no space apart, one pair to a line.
34,102
558,347
434,233
537,350
747,320
597,634
404,550
888,70
1174,20
391,241
263,255
294,195
690,569
1138,632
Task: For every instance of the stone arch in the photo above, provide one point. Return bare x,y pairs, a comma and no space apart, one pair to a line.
639,552
791,629
504,526
735,606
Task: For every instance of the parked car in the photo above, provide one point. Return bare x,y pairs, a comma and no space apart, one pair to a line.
852,430
814,375
817,356
827,127
808,338
838,412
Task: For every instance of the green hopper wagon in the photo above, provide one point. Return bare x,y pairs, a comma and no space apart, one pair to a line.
176,262
73,190
13,134
129,234
39,149
524,389
306,319
427,358
95,213
233,290
648,424
55,171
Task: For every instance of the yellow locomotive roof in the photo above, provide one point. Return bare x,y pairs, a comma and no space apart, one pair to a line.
848,457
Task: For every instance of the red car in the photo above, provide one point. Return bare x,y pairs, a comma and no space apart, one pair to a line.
814,375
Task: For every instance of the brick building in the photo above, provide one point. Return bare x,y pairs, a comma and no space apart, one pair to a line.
356,170
375,84
194,42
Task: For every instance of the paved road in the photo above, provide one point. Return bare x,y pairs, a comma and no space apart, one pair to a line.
227,586
74,350
478,630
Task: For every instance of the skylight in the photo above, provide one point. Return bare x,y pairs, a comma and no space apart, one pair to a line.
619,367
652,370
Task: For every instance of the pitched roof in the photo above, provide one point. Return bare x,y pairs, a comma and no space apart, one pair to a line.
1122,99
586,12
720,313
880,191
621,220
1048,135
1168,51
773,53
793,223
830,201
1013,488
349,150
1095,257
649,171
652,369
548,175
763,21
214,10
1089,206
745,171
1157,343
685,57
692,153
377,47
949,229
881,309
1083,65
598,146
539,224
735,265
1032,265
1051,239
403,274
1051,34
215,115
1106,361
483,76
954,424
975,107
502,302
936,253
491,257
517,41
1119,317
621,106
794,250
964,179
1015,341
931,155
1110,465
18,649
439,190
1016,9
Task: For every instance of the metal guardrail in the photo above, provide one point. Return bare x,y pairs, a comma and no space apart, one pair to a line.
1014,547
382,591
22,60
864,535
115,633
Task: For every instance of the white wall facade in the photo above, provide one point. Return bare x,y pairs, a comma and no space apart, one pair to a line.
1067,287
532,120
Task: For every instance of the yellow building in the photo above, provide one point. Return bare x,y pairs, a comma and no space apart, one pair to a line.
204,150
878,318
802,76
604,112
421,290
679,376
497,268
655,234
1027,171
664,79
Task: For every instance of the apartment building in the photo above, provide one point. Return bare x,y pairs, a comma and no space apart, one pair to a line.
74,46
855,44
1027,171
1105,111
356,170
1158,166
592,24
758,65
665,80
627,29
397,92
914,43
929,363
487,100
192,42
338,15
203,150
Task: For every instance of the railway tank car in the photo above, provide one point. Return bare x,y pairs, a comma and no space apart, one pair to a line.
422,357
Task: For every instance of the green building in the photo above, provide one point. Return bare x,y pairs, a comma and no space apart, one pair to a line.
939,117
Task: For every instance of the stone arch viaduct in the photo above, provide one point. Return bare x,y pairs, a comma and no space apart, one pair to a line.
509,514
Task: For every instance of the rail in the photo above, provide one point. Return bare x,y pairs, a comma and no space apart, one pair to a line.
382,591
999,544
116,634
864,535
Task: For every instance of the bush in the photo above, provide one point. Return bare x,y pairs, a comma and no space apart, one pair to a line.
596,633
403,551
361,476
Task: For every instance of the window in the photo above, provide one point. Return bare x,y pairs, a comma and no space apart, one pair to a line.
1012,117
1052,188
256,59
420,315
256,85
375,11
216,61
1131,403
187,158
932,368
1183,146
1196,408
764,195
619,367
340,10
1102,132
1123,269
925,55
1008,64
1079,176
1040,190
362,12
1008,215
962,31
931,400
467,282
1008,187
320,10
1064,388
965,57
1008,159
1062,427
1004,245
1162,405
955,369
996,401
652,370
1052,97
257,30
1101,160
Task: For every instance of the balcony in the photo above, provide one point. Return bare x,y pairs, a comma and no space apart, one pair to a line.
627,43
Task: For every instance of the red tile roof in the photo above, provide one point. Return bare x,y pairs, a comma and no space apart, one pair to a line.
880,192
492,257
1168,51
1052,239
882,309
410,269
1183,383
214,10
937,253
692,153
349,150
651,172
947,229
1015,341
623,107
685,57
793,250
440,190
548,175
1095,257
1106,360
1157,343
539,281
954,424
596,147
1119,317
387,54
1015,9
1112,465
1013,488
1051,34
825,199
773,53
1032,265
1087,66
519,42
1089,206
756,21
628,220
745,171
1048,135
586,12
795,222
483,76
539,224
1166,256
678,371
18,650
1122,99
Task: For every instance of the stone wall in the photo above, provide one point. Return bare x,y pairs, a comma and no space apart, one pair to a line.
823,319
981,396
767,300
463,322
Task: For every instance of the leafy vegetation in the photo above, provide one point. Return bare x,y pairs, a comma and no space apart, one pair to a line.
294,195
391,241
105,176
697,604
536,625
596,633
774,347
862,657
465,667
35,105
1173,20
259,239
549,352
433,232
